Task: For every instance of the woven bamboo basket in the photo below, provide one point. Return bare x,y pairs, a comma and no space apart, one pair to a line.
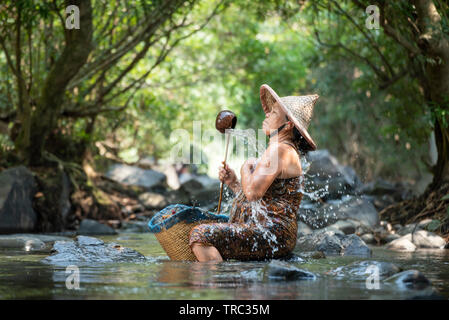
172,226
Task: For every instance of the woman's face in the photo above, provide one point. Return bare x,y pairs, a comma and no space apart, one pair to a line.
273,119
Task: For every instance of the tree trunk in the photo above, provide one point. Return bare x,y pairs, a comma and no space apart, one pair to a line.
441,169
434,46
48,109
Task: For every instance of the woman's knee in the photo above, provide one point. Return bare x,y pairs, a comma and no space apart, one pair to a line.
206,253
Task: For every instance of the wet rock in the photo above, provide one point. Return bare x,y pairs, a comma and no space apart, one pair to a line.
334,230
354,246
207,198
170,172
190,181
292,257
408,229
17,189
391,237
385,193
345,226
425,239
356,209
362,269
327,177
410,279
90,250
201,190
151,200
424,223
306,210
401,244
178,196
331,243
88,241
22,242
46,238
134,227
252,275
315,240
368,238
303,229
283,271
149,179
378,187
92,227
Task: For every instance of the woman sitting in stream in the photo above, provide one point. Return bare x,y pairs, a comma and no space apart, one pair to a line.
262,222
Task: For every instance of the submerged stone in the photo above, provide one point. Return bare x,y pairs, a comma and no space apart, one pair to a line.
410,279
22,242
284,271
362,269
90,250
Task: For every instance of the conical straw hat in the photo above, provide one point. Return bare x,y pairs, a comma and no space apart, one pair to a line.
299,109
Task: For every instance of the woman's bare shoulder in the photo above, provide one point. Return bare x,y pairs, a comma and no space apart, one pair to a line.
291,161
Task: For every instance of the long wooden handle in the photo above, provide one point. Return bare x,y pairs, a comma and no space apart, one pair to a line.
222,184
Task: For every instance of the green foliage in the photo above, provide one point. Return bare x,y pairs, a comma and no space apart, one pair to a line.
222,67
434,225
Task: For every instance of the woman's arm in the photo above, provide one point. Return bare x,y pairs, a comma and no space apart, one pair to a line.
235,186
227,176
256,179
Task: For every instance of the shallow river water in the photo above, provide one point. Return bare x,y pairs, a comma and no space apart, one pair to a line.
23,276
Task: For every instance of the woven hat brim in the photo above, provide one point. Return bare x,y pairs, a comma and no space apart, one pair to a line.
268,98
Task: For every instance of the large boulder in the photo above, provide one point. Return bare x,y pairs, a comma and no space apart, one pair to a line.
358,210
326,178
149,179
85,250
418,239
201,190
17,189
379,187
151,200
332,243
165,167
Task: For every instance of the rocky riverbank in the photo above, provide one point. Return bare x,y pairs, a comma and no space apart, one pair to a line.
338,215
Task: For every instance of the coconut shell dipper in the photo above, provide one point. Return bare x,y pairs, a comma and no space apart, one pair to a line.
225,120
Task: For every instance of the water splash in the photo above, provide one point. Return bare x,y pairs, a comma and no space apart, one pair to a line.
313,195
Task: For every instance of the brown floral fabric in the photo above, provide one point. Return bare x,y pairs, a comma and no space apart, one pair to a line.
256,230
